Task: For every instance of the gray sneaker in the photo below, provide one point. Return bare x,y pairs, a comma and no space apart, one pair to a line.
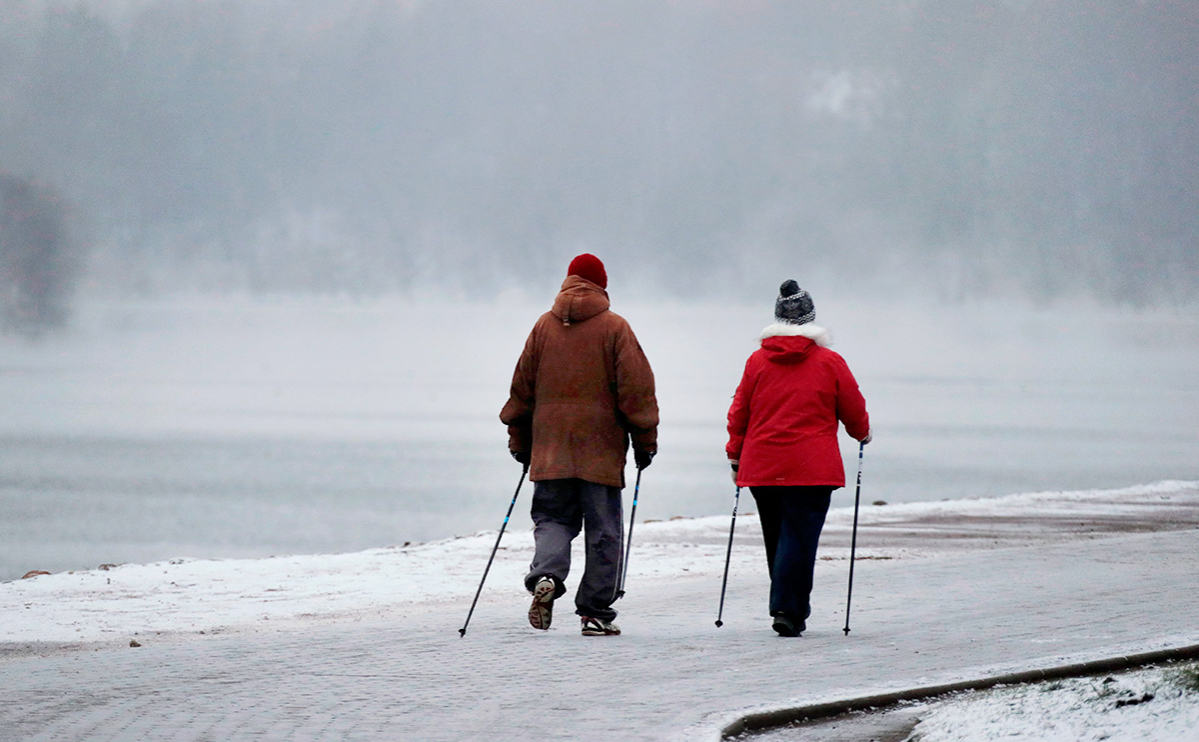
599,627
541,612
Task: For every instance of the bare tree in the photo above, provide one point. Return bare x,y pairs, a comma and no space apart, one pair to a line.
37,265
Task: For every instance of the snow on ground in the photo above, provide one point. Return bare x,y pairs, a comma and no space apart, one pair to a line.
1160,703
192,595
365,645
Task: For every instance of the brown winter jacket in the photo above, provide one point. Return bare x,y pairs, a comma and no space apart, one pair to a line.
581,389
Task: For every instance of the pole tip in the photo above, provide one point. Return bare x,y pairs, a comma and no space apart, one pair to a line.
461,632
719,623
846,630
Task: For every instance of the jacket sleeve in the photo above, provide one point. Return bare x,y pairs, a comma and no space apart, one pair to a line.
739,411
635,395
851,406
518,412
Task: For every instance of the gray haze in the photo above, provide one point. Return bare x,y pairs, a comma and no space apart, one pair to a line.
951,147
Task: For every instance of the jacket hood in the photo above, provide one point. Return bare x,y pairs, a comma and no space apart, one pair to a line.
787,343
578,300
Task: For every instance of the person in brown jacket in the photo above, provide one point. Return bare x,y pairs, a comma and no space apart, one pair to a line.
582,390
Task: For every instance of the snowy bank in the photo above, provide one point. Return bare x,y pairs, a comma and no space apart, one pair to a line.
366,645
1160,703
210,596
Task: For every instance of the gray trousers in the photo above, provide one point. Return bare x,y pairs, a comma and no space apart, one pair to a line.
561,508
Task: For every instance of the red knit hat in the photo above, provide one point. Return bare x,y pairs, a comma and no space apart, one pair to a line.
590,267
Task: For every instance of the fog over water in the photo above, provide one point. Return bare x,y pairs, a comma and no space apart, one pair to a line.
923,146
306,241
205,428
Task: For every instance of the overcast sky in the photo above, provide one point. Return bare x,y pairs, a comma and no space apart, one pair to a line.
963,148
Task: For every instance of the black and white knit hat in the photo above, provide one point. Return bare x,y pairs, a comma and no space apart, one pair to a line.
794,305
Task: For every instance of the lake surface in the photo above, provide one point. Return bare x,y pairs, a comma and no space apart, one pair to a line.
234,428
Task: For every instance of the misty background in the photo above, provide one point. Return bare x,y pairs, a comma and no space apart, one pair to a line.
266,265
906,147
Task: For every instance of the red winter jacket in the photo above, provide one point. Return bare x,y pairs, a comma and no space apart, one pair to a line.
783,421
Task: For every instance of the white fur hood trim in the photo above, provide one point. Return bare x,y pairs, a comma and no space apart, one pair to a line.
809,330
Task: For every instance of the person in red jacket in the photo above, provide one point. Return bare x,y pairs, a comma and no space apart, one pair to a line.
783,445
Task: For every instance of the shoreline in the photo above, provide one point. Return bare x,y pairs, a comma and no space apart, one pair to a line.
273,646
192,596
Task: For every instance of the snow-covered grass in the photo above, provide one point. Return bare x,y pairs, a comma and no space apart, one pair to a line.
1160,703
207,595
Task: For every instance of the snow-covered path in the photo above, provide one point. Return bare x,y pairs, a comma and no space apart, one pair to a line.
931,609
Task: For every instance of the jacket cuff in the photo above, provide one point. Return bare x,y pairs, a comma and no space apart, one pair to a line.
520,438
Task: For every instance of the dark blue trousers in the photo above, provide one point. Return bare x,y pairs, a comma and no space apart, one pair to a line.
792,518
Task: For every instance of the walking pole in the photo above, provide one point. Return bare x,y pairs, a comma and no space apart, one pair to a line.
728,555
624,568
853,544
494,549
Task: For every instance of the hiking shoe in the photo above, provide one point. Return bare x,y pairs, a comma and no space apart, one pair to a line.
786,627
599,627
541,612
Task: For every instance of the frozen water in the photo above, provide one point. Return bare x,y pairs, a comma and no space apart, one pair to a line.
251,428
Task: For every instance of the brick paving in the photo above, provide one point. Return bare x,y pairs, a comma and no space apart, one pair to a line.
671,676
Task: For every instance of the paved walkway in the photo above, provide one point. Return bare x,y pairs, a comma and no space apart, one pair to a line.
672,675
